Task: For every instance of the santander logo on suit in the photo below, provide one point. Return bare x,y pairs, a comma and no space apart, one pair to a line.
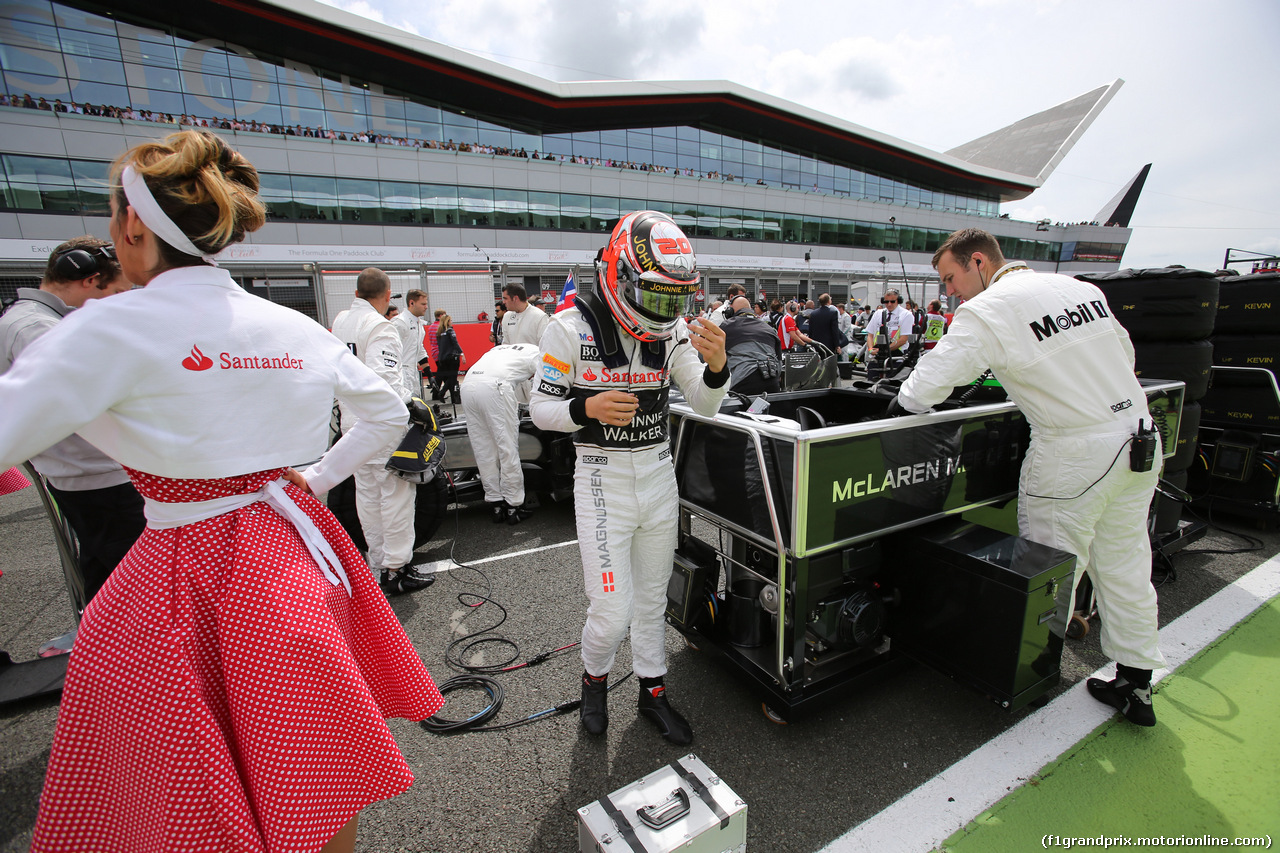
198,361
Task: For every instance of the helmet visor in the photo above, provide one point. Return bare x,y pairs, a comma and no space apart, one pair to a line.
657,297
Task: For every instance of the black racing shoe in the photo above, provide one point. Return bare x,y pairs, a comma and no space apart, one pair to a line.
517,514
1129,699
654,705
408,579
594,711
499,511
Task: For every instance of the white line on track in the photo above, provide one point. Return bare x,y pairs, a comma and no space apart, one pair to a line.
930,814
447,565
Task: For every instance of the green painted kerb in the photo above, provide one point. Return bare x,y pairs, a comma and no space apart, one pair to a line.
1210,767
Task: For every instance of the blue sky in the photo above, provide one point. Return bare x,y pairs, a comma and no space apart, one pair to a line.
1199,100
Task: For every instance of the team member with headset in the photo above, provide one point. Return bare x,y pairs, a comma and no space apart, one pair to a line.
605,372
752,349
91,489
1051,341
231,680
896,322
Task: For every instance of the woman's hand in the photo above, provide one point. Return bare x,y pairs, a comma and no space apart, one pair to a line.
292,476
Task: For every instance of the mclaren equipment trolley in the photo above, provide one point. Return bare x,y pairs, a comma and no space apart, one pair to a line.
820,541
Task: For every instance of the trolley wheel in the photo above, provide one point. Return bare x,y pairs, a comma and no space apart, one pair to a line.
691,645
1078,627
772,715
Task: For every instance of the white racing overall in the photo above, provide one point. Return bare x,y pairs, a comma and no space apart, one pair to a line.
624,482
1068,365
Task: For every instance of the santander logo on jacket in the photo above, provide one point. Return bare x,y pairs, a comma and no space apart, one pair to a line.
198,361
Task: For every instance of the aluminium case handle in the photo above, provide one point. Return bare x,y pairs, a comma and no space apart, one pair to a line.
663,814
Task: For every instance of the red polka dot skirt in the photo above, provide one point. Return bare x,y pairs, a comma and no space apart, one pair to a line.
223,696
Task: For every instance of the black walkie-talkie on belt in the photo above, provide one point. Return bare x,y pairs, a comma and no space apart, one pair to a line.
1142,451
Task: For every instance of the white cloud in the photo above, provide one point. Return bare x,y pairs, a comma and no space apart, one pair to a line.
939,75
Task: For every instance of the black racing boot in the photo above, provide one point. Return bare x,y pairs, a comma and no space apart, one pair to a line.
594,711
654,705
407,579
517,514
499,511
1129,693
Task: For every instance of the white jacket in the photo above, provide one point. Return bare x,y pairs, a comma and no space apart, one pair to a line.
412,332
374,340
510,364
192,377
525,327
1051,341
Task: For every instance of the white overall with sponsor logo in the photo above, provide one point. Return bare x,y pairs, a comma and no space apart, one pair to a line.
179,400
1052,342
624,483
384,501
492,392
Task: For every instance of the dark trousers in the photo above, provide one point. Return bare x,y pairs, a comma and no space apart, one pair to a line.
447,379
107,522
755,383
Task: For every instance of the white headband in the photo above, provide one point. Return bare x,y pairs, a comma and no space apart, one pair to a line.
144,204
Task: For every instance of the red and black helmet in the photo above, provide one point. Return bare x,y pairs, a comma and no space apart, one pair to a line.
648,274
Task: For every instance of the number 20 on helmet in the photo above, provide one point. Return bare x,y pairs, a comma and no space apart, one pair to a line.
648,274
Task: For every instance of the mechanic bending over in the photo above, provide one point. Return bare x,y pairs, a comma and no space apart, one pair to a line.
1068,365
492,392
605,373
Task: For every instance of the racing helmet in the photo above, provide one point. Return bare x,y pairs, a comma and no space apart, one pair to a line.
648,274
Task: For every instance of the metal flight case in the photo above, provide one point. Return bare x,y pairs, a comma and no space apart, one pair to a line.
683,807
815,537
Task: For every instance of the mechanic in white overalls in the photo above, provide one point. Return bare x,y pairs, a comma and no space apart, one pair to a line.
1059,353
384,501
492,392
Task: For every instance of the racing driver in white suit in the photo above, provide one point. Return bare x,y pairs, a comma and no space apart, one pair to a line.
384,501
492,392
1053,344
605,373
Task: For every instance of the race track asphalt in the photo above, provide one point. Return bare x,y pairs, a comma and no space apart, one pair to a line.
518,790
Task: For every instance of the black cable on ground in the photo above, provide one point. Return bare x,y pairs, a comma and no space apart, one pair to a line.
1185,498
477,677
1170,573
1255,544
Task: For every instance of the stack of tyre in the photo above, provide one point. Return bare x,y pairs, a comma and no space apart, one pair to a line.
1169,313
1246,334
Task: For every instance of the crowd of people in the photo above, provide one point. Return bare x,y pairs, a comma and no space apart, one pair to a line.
274,657
254,126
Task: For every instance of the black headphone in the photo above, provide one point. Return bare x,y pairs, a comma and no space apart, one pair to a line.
79,264
977,263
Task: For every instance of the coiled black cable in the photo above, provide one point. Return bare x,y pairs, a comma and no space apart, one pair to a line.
478,677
